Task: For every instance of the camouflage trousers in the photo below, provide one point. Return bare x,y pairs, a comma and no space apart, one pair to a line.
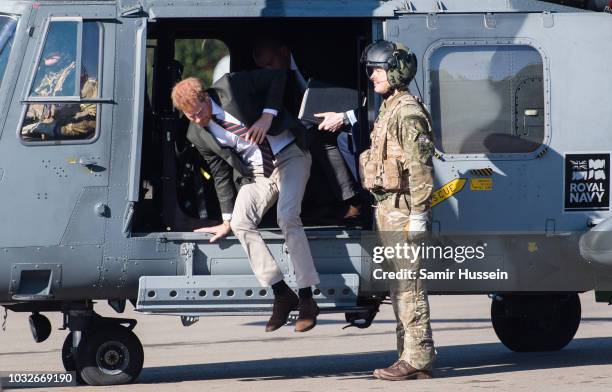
408,296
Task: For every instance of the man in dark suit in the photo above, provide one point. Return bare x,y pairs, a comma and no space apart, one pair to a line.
272,53
257,155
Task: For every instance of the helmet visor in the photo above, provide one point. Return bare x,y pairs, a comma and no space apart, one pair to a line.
371,67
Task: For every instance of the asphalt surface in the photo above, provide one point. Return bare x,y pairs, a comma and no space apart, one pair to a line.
235,354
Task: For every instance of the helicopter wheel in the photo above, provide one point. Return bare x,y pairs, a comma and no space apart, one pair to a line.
68,358
525,323
109,356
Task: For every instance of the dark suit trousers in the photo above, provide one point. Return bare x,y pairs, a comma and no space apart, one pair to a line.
324,151
347,144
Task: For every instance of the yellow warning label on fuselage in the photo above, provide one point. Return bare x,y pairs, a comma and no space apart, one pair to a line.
447,190
481,184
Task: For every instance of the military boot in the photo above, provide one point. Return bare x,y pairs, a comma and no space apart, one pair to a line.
307,318
284,304
377,371
401,370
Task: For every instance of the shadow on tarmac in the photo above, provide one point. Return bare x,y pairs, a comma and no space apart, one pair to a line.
262,323
453,361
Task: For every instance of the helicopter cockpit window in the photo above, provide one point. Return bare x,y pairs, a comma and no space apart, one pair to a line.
62,100
7,32
487,99
55,75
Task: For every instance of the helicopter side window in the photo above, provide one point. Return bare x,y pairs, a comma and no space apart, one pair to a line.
62,101
487,99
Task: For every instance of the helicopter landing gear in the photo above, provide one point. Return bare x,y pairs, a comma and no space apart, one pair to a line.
526,323
102,351
68,356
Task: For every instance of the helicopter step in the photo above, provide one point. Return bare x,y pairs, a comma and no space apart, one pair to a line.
203,294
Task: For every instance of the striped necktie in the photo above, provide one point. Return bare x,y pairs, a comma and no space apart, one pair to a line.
267,156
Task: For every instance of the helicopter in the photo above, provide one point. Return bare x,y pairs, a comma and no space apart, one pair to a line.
102,206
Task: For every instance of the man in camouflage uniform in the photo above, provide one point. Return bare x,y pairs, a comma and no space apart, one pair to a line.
61,120
398,170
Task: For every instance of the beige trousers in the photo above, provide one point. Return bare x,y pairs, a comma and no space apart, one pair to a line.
286,184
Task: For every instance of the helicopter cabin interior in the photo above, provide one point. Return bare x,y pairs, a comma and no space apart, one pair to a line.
177,191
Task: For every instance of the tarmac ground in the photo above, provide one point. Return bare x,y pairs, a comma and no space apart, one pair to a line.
233,353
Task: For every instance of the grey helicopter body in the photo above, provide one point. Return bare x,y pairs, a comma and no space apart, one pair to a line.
90,207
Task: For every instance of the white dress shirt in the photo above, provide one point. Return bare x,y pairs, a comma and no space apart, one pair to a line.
248,152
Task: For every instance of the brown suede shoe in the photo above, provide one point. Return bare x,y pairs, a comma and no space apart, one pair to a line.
307,319
400,371
283,305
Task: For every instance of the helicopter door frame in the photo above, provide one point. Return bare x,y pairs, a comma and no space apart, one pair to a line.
24,16
140,60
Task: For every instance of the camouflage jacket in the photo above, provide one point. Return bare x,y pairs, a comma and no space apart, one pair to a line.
69,119
403,131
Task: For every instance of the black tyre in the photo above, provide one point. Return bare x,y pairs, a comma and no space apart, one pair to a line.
525,323
40,327
68,359
112,355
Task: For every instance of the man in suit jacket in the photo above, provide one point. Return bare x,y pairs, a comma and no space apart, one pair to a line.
257,154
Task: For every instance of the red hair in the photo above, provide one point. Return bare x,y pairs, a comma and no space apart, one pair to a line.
188,93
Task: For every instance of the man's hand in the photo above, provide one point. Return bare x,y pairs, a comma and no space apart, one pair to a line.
258,131
416,227
218,231
331,121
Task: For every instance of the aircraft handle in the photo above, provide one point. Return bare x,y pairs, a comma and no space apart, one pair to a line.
87,162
